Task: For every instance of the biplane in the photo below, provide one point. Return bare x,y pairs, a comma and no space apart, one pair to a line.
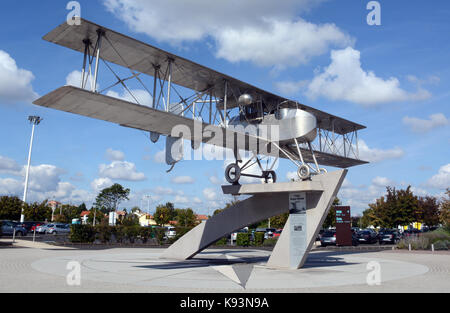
222,107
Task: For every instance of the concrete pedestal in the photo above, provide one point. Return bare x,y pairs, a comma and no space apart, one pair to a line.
299,234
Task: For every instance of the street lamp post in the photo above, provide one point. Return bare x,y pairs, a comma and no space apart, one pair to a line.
34,120
148,197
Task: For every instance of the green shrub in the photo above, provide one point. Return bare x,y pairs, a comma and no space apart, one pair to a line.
82,234
258,239
159,234
416,242
132,232
145,233
437,235
270,242
442,245
243,239
221,242
103,233
119,233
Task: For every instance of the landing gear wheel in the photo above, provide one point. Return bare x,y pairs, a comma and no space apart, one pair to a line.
270,176
233,173
304,172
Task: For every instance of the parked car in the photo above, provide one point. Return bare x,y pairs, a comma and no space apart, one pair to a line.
388,236
170,232
55,229
31,226
269,234
320,235
328,238
277,233
367,236
42,229
8,228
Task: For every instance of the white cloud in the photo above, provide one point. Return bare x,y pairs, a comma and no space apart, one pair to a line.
45,182
291,87
345,80
442,179
279,43
382,182
142,96
160,157
44,177
292,176
121,170
15,83
182,180
74,79
101,183
163,191
10,186
9,166
210,194
215,181
114,155
377,155
418,125
197,200
267,33
181,200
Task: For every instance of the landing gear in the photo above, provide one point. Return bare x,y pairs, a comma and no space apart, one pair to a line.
270,177
304,172
233,173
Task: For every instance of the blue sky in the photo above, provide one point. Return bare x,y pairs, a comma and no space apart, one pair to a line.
392,78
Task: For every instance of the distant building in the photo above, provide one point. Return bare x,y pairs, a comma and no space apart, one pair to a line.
202,218
146,220
84,217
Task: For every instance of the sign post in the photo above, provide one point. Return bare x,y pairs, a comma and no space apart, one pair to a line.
297,227
343,226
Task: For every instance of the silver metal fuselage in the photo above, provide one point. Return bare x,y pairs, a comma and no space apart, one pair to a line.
292,124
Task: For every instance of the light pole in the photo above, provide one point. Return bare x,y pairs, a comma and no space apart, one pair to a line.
148,197
34,120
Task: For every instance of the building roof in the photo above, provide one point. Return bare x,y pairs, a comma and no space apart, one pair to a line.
202,217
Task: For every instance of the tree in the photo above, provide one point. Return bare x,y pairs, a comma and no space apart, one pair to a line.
186,218
109,198
429,211
398,207
171,209
99,216
10,208
130,220
38,211
279,221
330,220
70,212
163,215
444,214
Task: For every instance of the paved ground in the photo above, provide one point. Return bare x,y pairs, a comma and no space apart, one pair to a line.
43,268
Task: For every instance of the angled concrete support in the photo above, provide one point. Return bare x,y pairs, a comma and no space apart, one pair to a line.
267,201
285,253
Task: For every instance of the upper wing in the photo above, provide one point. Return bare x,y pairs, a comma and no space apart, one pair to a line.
136,55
